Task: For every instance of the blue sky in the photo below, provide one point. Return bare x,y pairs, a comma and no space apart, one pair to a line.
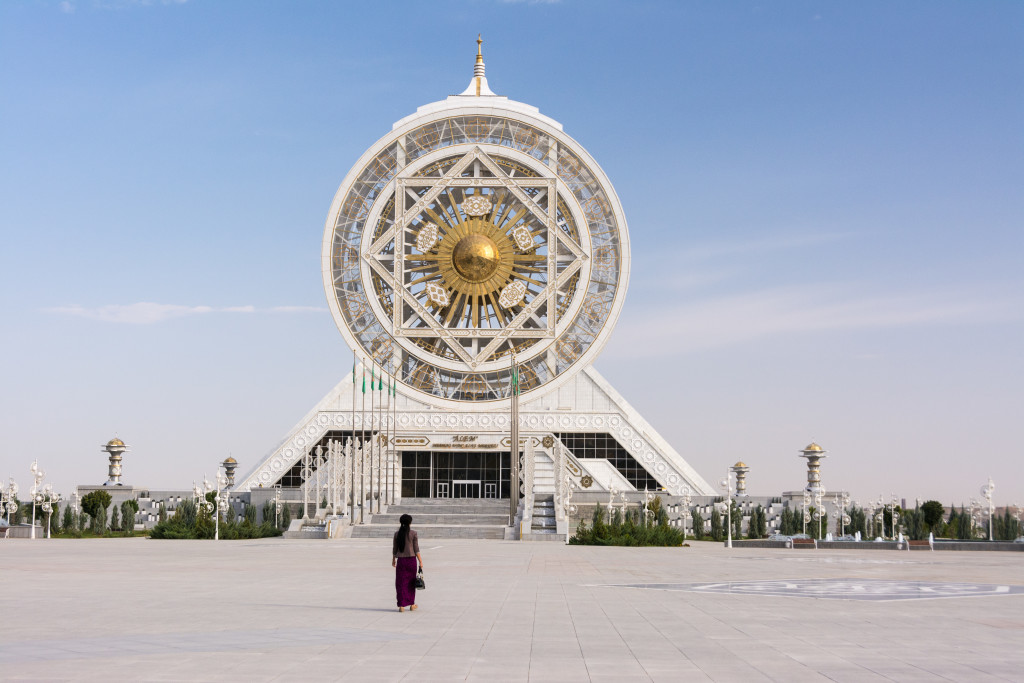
824,203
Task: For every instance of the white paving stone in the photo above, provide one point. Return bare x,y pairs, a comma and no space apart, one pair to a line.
275,610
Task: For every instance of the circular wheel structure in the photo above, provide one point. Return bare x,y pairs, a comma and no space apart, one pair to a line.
474,232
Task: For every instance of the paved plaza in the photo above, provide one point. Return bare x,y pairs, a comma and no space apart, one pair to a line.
140,609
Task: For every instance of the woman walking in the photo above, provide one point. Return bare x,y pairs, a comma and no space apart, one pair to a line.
405,553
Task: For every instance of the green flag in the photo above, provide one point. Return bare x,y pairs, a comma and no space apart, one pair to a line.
380,383
353,368
364,379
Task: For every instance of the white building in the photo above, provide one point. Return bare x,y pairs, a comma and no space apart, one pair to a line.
473,233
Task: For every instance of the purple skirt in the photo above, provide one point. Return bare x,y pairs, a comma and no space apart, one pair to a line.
405,581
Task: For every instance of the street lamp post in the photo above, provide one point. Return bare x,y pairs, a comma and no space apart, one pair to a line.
220,500
894,515
52,500
36,494
726,485
818,511
199,494
686,508
987,490
277,506
567,505
11,494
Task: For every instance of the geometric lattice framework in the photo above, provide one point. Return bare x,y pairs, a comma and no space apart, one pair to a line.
460,240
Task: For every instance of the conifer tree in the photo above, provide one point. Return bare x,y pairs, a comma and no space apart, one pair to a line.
698,524
716,524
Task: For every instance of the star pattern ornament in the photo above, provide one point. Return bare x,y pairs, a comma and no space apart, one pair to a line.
476,205
523,238
438,294
482,257
426,238
512,294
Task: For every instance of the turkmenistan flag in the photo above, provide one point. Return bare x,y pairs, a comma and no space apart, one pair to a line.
364,379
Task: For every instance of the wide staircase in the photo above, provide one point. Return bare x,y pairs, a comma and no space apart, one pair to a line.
436,518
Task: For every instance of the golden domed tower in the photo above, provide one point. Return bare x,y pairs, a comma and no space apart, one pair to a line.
814,453
115,447
741,470
229,466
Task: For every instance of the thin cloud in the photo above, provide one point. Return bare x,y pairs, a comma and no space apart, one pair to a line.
67,7
148,313
712,250
126,4
729,320
298,309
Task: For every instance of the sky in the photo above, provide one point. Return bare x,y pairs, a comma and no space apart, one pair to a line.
824,202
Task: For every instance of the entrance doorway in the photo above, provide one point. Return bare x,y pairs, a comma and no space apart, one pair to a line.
465,489
455,474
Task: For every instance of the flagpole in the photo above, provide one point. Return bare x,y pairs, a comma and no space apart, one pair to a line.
381,441
352,453
387,444
373,438
376,468
362,452
394,435
513,489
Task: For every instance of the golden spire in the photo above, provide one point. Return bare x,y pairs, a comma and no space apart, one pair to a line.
478,86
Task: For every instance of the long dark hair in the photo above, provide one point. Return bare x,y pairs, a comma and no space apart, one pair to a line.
403,531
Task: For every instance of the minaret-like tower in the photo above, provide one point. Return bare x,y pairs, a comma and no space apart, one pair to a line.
229,466
814,453
741,470
115,447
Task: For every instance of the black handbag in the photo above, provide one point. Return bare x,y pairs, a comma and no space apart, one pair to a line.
420,583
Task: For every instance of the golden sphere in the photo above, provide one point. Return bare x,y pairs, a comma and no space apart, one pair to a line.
476,257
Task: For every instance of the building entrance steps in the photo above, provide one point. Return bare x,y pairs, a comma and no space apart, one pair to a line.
543,520
442,518
543,473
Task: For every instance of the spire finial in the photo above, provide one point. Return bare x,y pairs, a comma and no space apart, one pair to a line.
478,68
478,86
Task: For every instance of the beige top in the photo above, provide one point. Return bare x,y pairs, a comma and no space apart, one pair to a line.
412,545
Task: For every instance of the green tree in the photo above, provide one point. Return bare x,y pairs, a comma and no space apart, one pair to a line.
95,505
129,508
964,527
249,514
913,522
161,515
268,511
69,518
758,525
736,517
286,516
115,520
933,512
716,524
786,521
697,523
